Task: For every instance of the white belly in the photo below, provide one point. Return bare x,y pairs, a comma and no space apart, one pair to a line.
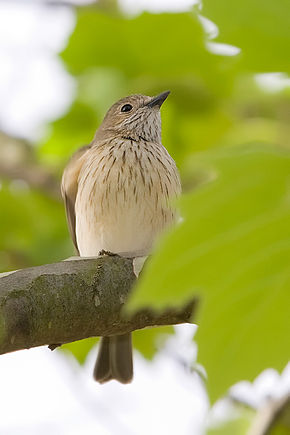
123,198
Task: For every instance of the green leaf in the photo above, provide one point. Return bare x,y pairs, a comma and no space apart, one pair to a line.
280,430
73,130
261,28
79,349
143,49
148,341
232,252
239,426
33,230
122,43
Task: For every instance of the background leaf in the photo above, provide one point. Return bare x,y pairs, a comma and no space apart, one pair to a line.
259,27
149,341
237,426
80,349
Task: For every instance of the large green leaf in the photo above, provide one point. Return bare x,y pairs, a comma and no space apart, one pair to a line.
261,28
232,252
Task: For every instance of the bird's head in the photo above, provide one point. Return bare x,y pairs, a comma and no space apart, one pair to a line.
136,117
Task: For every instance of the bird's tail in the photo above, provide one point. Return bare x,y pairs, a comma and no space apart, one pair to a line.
114,359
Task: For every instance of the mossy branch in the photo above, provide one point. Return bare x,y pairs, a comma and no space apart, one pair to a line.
71,300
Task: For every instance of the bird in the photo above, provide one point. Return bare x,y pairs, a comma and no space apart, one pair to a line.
119,193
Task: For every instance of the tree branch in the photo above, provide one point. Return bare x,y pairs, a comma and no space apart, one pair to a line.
71,300
35,176
18,161
275,413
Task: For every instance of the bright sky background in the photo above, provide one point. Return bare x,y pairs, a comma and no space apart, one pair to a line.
42,391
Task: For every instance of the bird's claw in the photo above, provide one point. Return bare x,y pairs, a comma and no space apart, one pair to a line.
103,252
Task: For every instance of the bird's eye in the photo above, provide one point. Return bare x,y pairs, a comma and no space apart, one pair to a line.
126,108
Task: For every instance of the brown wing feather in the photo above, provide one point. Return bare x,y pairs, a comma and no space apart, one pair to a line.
69,189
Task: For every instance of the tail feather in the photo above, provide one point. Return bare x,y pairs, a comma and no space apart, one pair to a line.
115,359
102,372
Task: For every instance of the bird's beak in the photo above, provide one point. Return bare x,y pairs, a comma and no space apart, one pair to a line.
158,100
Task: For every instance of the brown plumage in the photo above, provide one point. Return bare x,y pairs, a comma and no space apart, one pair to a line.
118,193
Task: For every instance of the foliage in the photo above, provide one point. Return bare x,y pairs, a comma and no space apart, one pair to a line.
232,252
238,426
80,349
33,228
259,27
149,340
230,137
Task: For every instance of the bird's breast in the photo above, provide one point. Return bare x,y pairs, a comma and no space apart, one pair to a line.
124,199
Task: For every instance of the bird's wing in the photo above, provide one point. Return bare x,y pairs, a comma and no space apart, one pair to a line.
69,189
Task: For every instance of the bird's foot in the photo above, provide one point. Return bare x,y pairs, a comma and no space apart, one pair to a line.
54,346
108,253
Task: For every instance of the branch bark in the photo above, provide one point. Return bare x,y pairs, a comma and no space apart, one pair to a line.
276,413
71,300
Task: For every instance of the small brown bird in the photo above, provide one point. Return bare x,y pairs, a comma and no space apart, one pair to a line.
118,194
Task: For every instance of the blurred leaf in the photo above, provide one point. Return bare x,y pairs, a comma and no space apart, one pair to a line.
80,349
192,130
239,426
233,252
148,341
261,28
200,112
69,133
280,430
33,227
123,43
98,87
